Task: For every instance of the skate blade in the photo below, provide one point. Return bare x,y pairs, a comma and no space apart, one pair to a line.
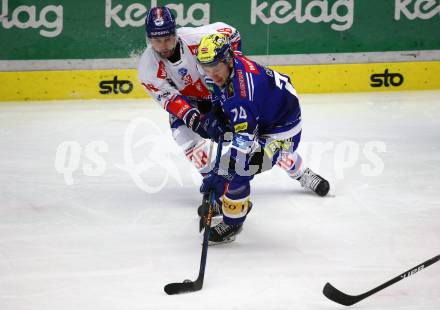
227,240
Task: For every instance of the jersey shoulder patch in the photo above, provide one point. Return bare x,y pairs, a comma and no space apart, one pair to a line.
245,82
249,65
241,83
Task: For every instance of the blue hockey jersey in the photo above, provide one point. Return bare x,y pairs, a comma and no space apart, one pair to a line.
258,102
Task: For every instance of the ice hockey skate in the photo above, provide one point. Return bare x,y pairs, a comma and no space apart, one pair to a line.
224,233
315,182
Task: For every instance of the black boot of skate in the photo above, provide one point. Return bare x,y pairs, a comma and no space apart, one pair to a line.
224,233
315,182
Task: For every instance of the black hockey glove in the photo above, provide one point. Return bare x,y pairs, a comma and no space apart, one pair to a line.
208,126
213,125
217,183
192,120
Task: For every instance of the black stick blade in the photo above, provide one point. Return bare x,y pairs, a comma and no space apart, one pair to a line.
180,288
336,295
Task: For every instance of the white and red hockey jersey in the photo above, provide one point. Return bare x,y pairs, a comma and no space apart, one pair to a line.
165,80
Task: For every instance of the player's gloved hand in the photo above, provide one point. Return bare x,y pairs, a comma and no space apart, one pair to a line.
215,182
192,120
213,125
208,126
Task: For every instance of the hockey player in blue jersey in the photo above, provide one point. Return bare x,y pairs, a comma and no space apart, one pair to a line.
262,110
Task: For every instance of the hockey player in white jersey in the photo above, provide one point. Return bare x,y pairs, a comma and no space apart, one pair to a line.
168,71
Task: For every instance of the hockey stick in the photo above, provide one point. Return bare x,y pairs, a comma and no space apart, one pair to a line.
336,295
188,286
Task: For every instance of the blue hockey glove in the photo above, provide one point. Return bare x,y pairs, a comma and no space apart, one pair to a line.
215,182
213,125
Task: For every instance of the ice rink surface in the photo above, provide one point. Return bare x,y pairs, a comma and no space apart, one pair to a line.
98,210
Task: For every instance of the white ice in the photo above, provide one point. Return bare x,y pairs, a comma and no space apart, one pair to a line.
109,234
